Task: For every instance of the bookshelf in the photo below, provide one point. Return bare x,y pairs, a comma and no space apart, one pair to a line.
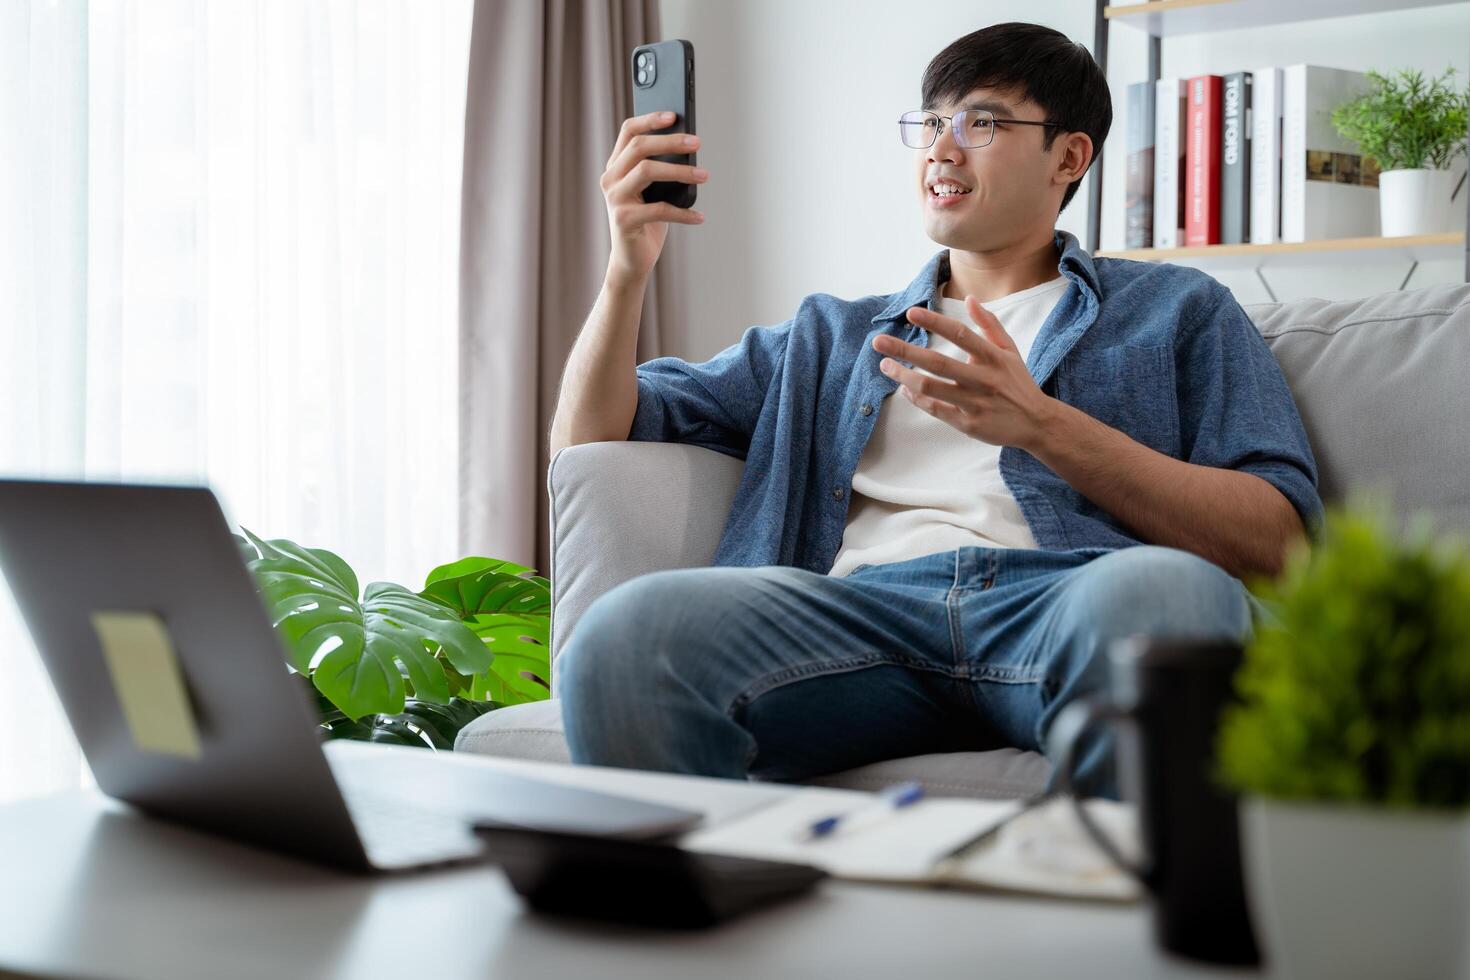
1173,18
1164,18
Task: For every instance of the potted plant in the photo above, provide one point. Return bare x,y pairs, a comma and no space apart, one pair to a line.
1350,748
394,665
1413,131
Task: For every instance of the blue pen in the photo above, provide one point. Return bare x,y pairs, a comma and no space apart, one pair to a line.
892,798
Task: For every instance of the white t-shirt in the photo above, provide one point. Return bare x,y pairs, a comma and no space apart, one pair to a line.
922,486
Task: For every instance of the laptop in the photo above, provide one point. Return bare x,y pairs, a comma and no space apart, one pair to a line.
177,688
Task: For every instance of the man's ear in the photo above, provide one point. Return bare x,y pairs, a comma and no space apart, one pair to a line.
1075,158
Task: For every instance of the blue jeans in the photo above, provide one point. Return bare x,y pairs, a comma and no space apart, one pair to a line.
780,673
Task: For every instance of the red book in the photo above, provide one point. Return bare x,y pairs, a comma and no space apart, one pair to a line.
1204,95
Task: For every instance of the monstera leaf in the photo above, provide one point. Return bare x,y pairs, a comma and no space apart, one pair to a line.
428,725
359,653
420,723
510,612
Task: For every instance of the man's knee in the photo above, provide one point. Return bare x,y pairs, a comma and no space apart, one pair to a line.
649,630
608,646
1160,591
605,671
640,678
1148,590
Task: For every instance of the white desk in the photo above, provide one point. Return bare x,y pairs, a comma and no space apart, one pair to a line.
88,888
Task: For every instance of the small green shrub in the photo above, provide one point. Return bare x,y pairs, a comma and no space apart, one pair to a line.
1357,687
1405,124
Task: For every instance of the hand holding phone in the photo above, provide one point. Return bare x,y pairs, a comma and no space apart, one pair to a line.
655,151
663,81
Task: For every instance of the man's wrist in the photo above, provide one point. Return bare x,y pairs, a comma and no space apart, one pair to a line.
623,284
1052,423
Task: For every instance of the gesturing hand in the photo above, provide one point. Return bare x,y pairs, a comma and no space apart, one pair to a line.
991,395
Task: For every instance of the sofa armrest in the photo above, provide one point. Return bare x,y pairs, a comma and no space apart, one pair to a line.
623,509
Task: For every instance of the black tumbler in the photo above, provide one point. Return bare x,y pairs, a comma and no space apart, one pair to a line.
1168,694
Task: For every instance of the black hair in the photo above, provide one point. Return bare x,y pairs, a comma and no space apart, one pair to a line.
1043,65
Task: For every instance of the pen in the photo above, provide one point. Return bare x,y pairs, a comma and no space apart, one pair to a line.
892,798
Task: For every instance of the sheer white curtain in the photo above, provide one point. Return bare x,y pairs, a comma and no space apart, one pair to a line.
228,253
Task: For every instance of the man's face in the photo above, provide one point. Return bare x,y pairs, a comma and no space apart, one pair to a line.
1007,184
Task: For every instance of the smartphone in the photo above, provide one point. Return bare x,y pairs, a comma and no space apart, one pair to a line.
663,81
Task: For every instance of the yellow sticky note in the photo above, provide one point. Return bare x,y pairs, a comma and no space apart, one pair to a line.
145,672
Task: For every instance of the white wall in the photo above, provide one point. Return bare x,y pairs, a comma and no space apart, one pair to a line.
811,191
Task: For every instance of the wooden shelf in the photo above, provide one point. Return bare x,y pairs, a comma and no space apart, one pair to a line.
1413,248
1172,18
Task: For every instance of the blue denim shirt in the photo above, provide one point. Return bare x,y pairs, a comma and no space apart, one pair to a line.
1161,352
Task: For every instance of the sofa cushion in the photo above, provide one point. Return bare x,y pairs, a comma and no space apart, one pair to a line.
1380,386
519,731
534,731
623,509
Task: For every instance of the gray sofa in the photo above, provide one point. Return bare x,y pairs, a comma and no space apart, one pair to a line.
1380,383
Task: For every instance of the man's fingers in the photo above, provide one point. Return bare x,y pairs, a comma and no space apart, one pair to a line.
944,411
954,331
645,146
634,125
632,216
990,324
648,171
664,211
930,360
922,384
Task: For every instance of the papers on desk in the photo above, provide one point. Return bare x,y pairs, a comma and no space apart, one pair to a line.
1042,852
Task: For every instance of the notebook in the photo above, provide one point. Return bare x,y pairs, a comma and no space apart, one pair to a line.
1042,852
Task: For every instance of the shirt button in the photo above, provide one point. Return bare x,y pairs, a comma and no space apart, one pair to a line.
836,493
866,409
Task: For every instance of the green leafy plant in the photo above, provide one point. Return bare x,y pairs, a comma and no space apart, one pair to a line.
1356,687
400,666
1406,124
420,723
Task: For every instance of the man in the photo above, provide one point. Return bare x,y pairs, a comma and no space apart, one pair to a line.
1083,449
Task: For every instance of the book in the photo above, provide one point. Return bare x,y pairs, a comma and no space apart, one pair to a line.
1169,116
1202,161
1235,158
1328,190
1265,182
1139,177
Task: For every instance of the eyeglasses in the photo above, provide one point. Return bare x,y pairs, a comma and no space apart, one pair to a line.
973,128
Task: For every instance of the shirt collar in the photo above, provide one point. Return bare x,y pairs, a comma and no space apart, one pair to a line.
1075,264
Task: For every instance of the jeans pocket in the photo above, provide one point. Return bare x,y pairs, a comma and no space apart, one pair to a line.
857,569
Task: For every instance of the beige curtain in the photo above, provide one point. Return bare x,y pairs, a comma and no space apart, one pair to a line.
548,89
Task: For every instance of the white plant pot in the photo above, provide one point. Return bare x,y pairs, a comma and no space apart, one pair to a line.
1417,202
1346,892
